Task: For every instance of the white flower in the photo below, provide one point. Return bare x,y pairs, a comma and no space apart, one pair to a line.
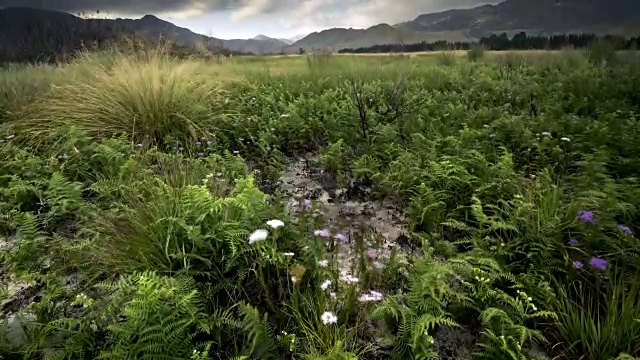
323,263
294,279
565,139
378,265
325,285
258,235
371,296
289,254
328,318
333,295
275,223
349,279
546,133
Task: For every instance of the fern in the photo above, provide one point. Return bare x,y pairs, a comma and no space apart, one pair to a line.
152,317
261,338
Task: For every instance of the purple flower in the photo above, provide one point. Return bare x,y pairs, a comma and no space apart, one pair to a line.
586,217
139,145
372,254
268,148
625,229
573,242
322,233
598,263
198,143
307,204
236,152
10,137
578,264
340,237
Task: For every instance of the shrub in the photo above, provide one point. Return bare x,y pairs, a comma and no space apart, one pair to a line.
150,98
446,57
602,51
475,53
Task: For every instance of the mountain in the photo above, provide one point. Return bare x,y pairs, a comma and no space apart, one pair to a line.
30,34
255,46
267,38
543,17
297,37
340,38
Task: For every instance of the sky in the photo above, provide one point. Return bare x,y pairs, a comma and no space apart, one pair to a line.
242,19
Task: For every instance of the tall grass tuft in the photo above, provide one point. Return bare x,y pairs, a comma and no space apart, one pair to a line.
476,52
446,58
601,323
602,51
150,98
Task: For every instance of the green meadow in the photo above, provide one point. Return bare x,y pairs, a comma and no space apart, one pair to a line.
447,205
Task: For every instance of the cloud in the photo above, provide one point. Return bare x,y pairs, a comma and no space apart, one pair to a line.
125,7
303,16
294,14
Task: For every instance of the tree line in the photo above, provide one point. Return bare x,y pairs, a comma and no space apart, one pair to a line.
520,41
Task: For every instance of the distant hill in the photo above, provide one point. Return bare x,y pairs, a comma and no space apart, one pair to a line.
539,17
29,34
340,38
267,38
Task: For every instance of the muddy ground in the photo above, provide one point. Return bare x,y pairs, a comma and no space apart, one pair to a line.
345,210
349,210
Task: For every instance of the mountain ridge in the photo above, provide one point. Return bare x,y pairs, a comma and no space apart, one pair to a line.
542,17
545,17
21,25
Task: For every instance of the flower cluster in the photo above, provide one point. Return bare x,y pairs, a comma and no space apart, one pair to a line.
587,217
275,224
322,233
328,318
625,229
348,278
595,262
371,296
325,284
258,235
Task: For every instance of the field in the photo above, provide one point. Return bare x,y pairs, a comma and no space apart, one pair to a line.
437,206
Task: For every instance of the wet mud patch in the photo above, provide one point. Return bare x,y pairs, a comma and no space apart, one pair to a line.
347,210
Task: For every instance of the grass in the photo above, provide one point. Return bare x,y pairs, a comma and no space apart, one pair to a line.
138,193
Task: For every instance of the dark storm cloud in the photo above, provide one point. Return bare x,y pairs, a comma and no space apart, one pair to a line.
323,13
121,6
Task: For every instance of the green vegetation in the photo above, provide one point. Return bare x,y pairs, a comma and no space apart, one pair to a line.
322,207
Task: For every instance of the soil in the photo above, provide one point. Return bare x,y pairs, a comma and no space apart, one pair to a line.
345,210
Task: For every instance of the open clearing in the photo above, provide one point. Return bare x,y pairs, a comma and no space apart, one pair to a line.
321,207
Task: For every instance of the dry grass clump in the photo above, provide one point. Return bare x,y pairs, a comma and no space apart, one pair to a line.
150,98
